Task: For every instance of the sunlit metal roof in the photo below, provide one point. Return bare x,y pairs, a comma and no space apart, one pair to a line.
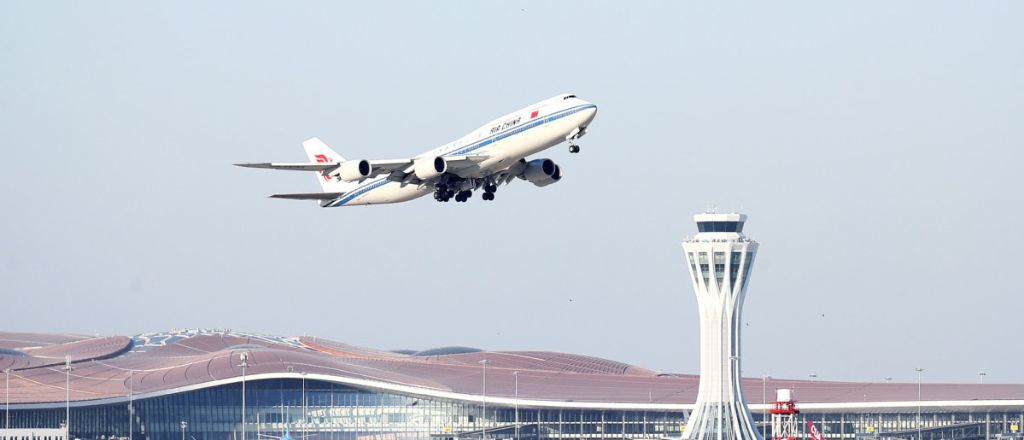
191,359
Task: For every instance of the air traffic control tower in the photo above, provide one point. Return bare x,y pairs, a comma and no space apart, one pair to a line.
720,258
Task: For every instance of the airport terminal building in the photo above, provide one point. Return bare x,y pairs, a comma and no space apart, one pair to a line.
145,387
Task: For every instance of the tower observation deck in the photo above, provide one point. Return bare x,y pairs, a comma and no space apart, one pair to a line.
720,258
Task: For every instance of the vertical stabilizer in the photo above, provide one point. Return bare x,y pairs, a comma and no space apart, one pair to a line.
319,152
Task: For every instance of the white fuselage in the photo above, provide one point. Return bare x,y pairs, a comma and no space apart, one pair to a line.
503,141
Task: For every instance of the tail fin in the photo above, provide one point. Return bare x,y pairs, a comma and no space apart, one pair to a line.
319,152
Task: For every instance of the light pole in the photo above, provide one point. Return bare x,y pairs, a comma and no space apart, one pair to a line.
516,374
291,369
919,370
764,402
981,377
483,419
131,403
7,391
244,363
303,374
67,396
184,425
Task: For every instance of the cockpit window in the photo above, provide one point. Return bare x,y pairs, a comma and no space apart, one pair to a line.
568,96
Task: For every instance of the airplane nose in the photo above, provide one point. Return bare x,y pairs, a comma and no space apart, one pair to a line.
590,112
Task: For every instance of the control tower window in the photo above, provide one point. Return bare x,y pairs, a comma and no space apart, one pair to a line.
719,226
734,266
746,270
703,258
720,268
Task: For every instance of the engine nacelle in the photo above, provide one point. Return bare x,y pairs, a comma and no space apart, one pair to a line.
542,172
353,170
429,167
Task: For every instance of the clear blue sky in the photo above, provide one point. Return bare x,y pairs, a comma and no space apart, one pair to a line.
876,147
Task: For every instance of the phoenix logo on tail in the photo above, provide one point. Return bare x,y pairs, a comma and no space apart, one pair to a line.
321,158
486,158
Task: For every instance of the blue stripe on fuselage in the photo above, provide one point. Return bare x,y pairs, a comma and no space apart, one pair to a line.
374,184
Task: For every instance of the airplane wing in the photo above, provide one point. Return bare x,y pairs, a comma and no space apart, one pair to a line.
460,162
406,165
308,196
401,170
294,166
396,170
380,167
389,166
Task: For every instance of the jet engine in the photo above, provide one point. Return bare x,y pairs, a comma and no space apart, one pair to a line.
353,170
542,172
429,167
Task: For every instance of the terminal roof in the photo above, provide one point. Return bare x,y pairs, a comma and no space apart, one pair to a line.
187,360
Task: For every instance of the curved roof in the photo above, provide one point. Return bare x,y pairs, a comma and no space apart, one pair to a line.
165,363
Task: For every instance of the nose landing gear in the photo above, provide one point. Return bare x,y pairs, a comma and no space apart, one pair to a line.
576,134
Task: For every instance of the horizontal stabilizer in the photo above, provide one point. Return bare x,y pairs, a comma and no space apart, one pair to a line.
308,196
290,166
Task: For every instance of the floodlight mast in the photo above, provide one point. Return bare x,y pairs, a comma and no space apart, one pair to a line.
244,363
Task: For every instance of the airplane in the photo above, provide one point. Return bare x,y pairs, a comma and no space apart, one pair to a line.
486,158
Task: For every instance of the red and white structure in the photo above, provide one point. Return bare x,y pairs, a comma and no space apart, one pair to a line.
784,416
720,258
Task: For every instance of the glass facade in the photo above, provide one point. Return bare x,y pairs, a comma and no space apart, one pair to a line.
734,267
704,269
326,411
942,425
719,226
720,270
746,271
338,412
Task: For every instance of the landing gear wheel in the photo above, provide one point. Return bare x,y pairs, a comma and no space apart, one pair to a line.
490,188
441,193
574,148
488,196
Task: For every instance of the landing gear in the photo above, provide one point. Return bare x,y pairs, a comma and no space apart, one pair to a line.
573,148
489,189
443,194
463,195
450,189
